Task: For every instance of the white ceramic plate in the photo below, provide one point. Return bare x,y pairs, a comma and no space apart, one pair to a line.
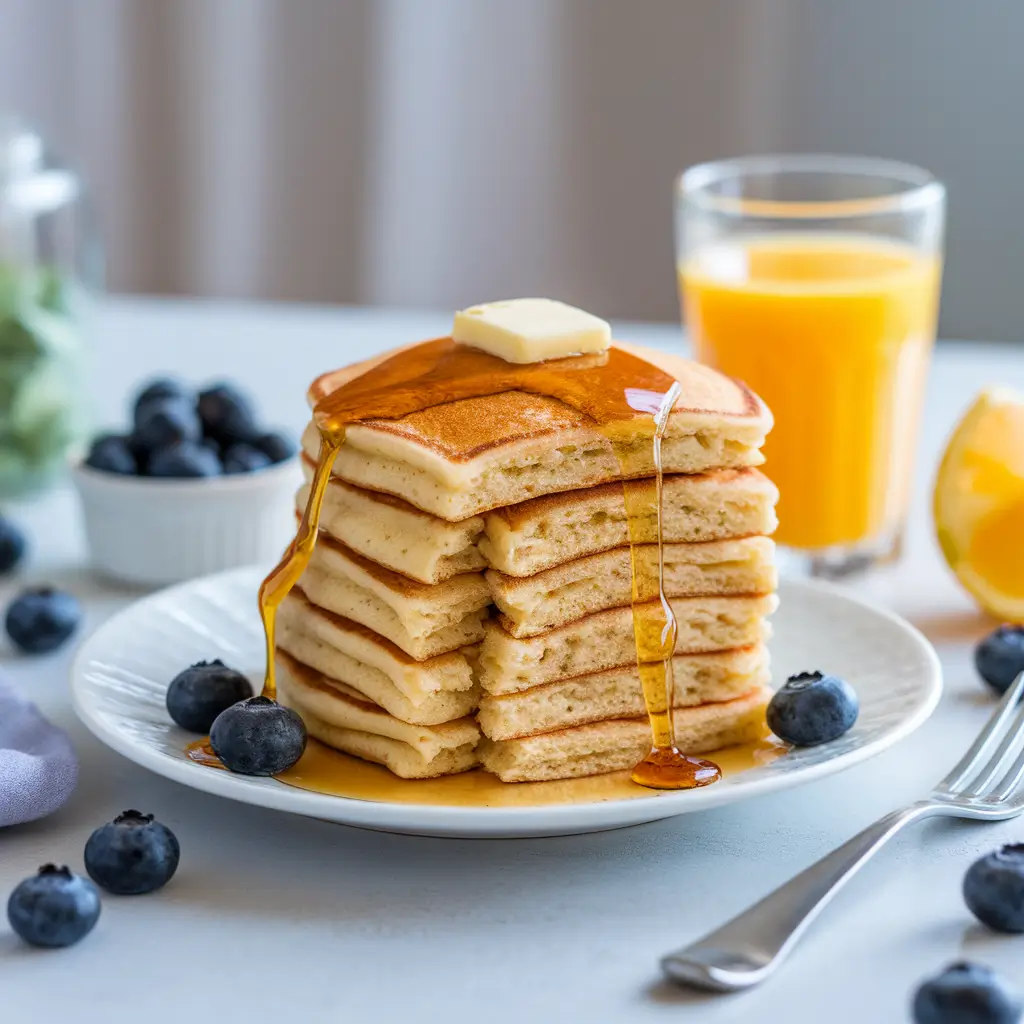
122,671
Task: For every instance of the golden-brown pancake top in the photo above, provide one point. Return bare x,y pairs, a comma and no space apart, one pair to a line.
461,430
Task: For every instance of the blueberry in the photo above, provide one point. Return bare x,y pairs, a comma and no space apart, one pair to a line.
164,422
41,619
812,708
12,545
187,459
994,889
139,452
258,736
999,658
966,993
112,453
157,390
201,692
227,415
244,458
54,908
277,447
131,855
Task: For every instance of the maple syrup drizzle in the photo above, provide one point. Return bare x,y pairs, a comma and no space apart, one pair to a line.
655,629
610,388
274,589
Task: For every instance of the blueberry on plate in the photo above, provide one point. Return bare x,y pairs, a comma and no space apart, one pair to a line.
112,453
227,415
156,390
994,889
276,446
999,658
258,736
186,459
201,692
12,545
244,458
53,908
41,619
132,854
966,993
812,708
164,422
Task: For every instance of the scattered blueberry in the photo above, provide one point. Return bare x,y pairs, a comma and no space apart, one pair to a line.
201,692
966,993
54,908
244,458
187,459
164,422
113,454
277,447
227,415
156,390
999,658
12,545
994,889
41,619
132,854
812,708
258,736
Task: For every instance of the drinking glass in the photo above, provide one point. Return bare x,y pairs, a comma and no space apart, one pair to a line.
815,279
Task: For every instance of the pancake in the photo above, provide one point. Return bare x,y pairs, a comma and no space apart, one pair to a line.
560,595
394,533
604,640
523,539
534,535
423,619
462,458
620,744
617,693
343,721
368,661
298,640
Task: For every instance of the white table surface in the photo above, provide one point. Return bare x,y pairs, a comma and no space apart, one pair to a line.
273,917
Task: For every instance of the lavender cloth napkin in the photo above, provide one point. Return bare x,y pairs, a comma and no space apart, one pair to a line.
38,767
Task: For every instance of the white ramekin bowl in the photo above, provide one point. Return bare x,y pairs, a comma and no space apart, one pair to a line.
153,532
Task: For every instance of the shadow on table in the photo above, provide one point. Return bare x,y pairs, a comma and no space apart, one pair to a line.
667,994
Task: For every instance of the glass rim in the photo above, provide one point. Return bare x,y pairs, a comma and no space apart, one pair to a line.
914,187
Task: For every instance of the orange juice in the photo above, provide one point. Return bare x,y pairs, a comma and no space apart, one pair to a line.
834,332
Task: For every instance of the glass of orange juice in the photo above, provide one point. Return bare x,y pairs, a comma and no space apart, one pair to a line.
815,279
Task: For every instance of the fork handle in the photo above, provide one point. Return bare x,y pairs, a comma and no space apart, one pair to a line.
749,948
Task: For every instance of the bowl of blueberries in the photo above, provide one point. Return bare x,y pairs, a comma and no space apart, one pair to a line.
197,485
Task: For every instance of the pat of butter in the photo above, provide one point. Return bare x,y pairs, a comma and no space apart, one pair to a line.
531,330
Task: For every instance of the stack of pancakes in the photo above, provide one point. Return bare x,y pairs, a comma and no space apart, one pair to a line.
468,601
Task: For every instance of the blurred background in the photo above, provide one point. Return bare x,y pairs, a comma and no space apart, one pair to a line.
442,152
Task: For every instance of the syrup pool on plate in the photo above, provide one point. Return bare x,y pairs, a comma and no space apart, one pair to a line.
323,770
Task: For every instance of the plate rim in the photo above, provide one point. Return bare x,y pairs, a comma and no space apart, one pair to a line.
441,819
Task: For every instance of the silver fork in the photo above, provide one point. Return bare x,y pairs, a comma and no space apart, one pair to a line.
749,948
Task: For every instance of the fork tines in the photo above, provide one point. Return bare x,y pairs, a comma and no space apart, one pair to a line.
986,772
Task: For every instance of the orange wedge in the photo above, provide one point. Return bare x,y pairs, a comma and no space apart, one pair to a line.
979,503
